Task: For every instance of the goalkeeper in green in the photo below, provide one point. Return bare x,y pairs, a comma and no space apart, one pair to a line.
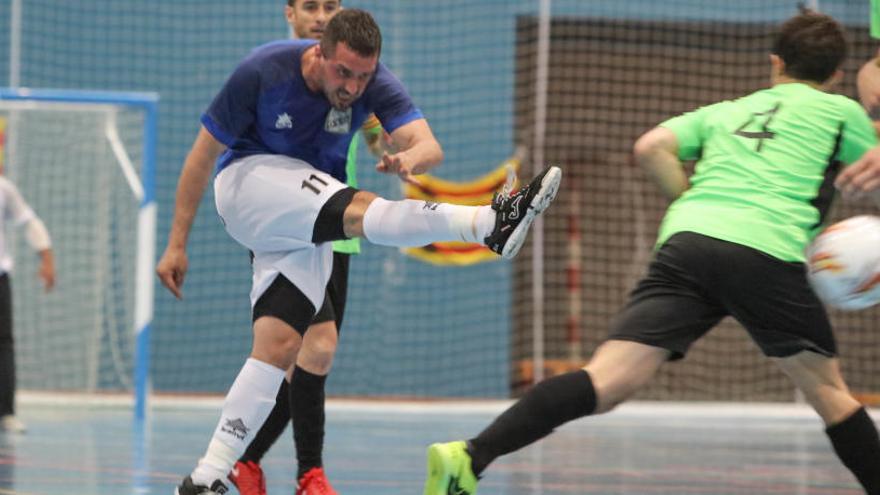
731,244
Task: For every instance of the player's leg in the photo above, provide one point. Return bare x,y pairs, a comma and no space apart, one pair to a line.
328,210
307,411
665,314
264,206
502,226
307,399
8,421
247,404
247,474
281,314
849,427
617,369
790,325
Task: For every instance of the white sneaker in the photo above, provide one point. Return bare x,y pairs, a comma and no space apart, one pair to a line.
12,424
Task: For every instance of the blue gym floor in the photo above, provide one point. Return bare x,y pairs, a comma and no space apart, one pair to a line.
378,448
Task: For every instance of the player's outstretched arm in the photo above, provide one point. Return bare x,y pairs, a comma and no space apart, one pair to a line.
190,188
657,153
418,151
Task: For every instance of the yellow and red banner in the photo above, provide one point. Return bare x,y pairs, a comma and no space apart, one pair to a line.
473,193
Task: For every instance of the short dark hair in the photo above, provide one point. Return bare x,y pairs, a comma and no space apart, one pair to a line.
357,29
812,45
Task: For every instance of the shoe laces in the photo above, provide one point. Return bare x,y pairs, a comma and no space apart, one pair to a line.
250,479
509,181
315,482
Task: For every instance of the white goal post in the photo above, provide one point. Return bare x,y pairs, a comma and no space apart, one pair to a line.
86,161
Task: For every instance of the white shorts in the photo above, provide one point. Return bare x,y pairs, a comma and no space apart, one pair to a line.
269,204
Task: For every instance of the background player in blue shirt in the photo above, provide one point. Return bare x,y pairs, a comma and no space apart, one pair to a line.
278,131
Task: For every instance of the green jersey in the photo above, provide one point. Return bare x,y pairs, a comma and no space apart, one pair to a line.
765,166
875,18
350,246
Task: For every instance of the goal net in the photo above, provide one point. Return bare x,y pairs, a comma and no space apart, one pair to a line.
83,162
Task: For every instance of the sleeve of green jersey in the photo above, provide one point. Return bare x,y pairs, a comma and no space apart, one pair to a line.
858,135
689,130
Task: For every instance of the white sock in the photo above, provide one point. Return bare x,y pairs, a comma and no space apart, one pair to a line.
411,222
247,405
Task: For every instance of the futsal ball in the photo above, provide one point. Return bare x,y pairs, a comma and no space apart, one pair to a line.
844,263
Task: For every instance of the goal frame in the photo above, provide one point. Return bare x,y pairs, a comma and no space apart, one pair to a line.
146,228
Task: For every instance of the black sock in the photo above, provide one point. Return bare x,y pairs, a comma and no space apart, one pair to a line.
272,428
856,442
545,406
307,413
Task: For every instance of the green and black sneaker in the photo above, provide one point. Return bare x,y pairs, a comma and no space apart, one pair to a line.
449,470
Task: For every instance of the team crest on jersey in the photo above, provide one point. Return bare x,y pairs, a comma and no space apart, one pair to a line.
284,122
338,121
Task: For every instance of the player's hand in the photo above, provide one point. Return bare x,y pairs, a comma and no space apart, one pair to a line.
172,270
47,272
862,177
379,143
397,164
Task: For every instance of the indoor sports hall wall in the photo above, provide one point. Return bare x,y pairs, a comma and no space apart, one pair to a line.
413,329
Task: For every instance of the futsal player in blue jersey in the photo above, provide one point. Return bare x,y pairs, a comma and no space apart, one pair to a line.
278,132
300,399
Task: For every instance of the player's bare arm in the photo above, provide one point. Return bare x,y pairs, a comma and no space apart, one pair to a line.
657,153
862,178
418,152
190,188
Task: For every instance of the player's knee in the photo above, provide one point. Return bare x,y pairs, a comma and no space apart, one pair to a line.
275,342
316,355
353,218
818,377
610,393
608,399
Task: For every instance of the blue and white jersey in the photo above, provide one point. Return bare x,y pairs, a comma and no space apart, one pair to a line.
265,107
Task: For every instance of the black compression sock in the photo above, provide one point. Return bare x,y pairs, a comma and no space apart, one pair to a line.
545,406
272,428
307,412
856,442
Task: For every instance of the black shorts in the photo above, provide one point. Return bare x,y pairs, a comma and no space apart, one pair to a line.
283,300
694,281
